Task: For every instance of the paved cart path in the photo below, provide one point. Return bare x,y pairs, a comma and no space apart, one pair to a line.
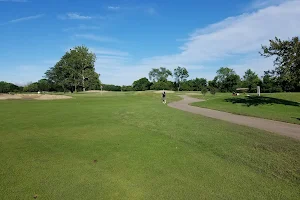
282,128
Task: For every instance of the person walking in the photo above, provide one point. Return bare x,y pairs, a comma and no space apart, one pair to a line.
164,97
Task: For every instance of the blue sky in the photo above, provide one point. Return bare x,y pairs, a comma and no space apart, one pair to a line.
130,37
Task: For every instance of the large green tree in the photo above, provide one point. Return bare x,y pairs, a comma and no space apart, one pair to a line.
223,73
75,69
31,87
186,85
270,83
213,83
287,59
194,84
43,85
92,81
251,80
181,74
231,83
199,83
226,80
62,75
141,84
83,61
159,74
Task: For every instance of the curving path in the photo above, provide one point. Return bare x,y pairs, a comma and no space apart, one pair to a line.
282,128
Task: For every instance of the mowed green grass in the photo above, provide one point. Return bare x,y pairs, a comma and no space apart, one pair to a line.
144,150
277,106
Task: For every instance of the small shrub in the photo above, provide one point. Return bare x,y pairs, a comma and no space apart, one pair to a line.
111,87
204,90
212,90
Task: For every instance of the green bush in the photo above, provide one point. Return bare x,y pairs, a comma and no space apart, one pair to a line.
33,87
4,87
127,88
9,87
212,90
186,86
162,85
141,84
111,87
204,91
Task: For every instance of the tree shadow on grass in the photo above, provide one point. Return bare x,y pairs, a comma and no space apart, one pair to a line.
256,100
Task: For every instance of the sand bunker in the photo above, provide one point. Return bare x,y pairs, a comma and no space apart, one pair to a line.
33,96
95,91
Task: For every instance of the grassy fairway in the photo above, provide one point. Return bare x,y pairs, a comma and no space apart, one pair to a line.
281,106
143,150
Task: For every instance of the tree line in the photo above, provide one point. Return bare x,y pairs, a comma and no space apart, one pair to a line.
285,76
75,71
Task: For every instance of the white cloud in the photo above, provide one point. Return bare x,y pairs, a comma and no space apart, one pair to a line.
110,52
74,16
233,42
241,35
258,64
82,27
15,1
77,16
25,18
114,8
97,38
145,9
113,64
258,4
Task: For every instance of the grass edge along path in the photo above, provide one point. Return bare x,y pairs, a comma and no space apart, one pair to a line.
269,106
282,128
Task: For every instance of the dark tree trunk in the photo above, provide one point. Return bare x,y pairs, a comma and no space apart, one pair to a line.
83,78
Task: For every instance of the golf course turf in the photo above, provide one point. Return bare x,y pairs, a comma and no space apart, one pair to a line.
131,146
277,106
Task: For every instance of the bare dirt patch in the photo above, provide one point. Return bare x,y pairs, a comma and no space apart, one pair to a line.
33,96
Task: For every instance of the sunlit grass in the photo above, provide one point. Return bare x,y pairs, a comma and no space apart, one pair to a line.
131,146
277,106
